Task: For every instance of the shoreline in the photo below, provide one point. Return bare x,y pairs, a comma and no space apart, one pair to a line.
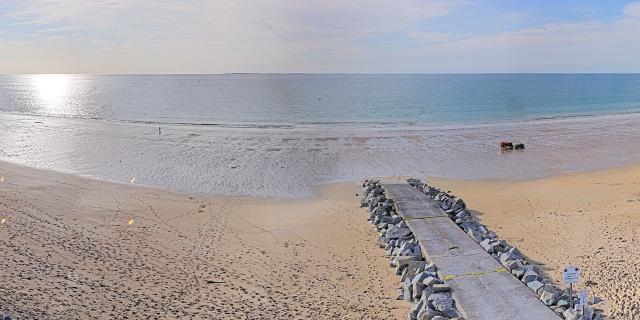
318,188
285,163
342,127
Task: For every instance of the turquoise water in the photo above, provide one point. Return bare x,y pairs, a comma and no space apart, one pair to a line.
291,99
280,135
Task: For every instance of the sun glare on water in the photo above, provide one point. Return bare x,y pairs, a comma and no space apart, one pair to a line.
52,90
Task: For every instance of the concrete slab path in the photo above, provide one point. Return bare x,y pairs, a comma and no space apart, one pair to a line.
481,287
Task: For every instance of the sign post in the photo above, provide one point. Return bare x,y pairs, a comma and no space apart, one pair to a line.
584,297
571,275
584,301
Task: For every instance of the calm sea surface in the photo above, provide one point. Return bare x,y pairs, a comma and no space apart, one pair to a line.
310,99
278,135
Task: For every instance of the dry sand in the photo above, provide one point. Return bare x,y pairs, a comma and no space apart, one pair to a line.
590,220
69,252
76,248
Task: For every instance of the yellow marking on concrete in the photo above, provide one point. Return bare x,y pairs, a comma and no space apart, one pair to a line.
443,216
473,274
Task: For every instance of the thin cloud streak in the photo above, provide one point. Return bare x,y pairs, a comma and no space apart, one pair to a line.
170,36
633,9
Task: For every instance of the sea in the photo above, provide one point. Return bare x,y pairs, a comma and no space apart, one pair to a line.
282,135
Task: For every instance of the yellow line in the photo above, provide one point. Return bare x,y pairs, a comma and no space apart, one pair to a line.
426,218
473,274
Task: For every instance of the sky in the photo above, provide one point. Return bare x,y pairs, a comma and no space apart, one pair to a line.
354,36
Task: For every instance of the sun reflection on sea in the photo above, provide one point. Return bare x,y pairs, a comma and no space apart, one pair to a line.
52,91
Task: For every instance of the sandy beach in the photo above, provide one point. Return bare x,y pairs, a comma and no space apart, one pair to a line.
285,160
82,248
589,220
77,248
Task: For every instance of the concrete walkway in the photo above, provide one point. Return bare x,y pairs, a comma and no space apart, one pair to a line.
481,287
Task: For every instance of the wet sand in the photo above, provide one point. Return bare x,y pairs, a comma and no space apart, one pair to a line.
589,220
288,162
76,248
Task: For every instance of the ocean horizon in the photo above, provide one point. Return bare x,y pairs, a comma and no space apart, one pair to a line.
290,99
275,135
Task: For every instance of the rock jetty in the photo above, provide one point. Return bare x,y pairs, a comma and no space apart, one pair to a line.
431,297
421,284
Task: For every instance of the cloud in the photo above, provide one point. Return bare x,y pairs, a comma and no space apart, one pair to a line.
632,9
556,47
171,36
200,36
242,19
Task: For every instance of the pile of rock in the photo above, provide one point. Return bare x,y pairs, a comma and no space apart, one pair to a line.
4,316
508,145
420,282
510,257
